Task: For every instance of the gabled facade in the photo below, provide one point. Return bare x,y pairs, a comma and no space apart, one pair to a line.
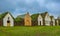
47,19
27,20
40,20
44,19
8,20
52,22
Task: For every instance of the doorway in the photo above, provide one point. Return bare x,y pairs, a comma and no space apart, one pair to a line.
51,23
8,23
40,23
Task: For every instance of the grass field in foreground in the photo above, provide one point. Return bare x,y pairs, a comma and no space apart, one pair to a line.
30,31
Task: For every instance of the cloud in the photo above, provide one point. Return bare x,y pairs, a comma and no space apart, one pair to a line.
41,2
33,6
53,8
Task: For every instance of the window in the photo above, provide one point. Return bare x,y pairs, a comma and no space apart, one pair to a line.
8,18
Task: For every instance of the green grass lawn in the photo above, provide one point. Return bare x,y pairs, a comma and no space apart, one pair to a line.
30,31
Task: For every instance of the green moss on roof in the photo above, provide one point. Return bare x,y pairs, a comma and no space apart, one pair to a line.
4,14
51,17
21,16
44,14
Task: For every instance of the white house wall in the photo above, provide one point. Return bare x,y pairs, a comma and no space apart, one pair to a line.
57,22
40,19
6,18
53,22
47,20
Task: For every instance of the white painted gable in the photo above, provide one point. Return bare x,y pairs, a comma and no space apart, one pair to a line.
40,20
53,21
47,20
6,18
57,22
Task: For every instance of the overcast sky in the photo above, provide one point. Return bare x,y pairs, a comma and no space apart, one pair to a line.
18,7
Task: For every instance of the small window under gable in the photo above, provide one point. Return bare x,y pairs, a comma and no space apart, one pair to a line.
8,18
